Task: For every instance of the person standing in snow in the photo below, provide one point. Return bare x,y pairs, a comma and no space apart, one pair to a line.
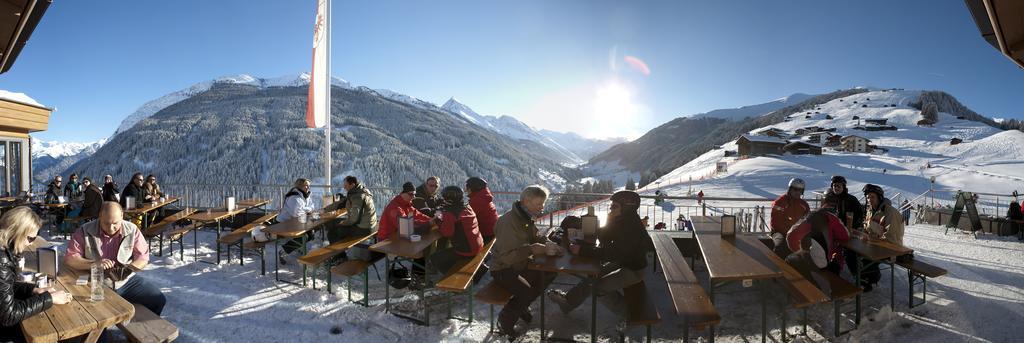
786,211
1014,215
482,202
847,204
906,212
659,197
700,197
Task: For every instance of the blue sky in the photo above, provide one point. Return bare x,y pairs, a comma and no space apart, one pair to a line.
553,64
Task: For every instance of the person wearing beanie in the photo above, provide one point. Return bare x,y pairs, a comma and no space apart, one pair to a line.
847,203
786,211
482,202
400,206
459,226
622,250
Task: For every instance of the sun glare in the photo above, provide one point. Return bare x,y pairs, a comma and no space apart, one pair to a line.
613,107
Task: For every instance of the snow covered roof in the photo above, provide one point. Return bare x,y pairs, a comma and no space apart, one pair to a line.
19,98
763,139
854,136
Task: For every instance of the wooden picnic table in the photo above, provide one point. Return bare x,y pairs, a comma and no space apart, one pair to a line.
253,202
877,252
292,228
146,208
79,317
588,268
401,248
211,216
734,258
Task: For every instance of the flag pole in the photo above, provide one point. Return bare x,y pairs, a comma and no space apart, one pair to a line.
327,131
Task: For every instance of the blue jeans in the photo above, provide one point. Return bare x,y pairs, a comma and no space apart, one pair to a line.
139,291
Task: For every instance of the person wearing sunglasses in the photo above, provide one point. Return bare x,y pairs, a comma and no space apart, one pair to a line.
429,196
153,188
135,189
20,300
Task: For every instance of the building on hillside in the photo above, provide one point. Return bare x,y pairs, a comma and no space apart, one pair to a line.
802,148
18,118
878,121
819,137
805,130
834,141
757,145
771,131
721,167
854,143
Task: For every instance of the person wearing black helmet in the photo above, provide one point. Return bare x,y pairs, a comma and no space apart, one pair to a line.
847,203
786,211
459,225
882,222
622,249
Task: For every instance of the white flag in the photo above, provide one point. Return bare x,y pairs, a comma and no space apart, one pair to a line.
318,106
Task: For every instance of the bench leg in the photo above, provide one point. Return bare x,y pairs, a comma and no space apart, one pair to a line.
492,318
914,280
837,322
686,333
263,261
804,322
784,330
648,333
241,252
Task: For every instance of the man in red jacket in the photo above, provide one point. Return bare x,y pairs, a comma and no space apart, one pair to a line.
786,211
482,202
400,206
459,225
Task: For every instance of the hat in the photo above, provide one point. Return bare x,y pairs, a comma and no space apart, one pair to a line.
626,198
452,195
797,183
408,188
838,179
573,222
870,188
475,183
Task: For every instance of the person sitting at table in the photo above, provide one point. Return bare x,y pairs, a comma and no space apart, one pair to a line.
54,191
428,192
622,250
119,247
152,188
296,203
135,190
20,300
73,190
516,241
93,199
846,203
362,214
400,206
786,211
482,202
110,189
459,226
828,235
882,221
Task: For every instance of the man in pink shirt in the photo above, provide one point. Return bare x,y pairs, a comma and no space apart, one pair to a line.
119,247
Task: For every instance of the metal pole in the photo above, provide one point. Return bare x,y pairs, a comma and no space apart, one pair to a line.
327,132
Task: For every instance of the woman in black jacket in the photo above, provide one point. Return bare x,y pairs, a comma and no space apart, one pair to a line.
18,300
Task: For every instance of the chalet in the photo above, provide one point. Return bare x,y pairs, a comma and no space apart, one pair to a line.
773,132
18,118
802,148
758,145
881,121
806,130
818,137
834,141
875,128
854,143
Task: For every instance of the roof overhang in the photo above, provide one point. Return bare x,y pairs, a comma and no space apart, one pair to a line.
1001,23
22,118
18,18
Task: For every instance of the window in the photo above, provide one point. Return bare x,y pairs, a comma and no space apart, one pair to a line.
13,166
16,168
3,169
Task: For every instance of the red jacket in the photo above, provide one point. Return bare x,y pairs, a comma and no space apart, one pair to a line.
836,236
482,203
398,207
469,241
786,211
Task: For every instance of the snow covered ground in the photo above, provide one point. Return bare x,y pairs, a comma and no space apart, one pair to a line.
982,299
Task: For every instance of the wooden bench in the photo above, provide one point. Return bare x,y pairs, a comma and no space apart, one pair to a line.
261,248
147,327
918,273
317,257
691,303
237,237
839,291
158,228
353,268
493,294
641,309
178,235
802,293
460,278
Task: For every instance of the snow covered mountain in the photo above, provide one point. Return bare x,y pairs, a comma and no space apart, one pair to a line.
513,128
50,158
153,106
583,147
754,111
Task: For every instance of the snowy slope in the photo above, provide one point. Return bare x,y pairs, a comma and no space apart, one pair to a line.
55,149
153,106
511,127
755,110
583,147
988,161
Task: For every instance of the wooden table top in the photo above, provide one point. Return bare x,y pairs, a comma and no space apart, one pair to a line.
293,228
215,215
729,258
80,316
151,206
566,263
254,202
875,250
405,248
